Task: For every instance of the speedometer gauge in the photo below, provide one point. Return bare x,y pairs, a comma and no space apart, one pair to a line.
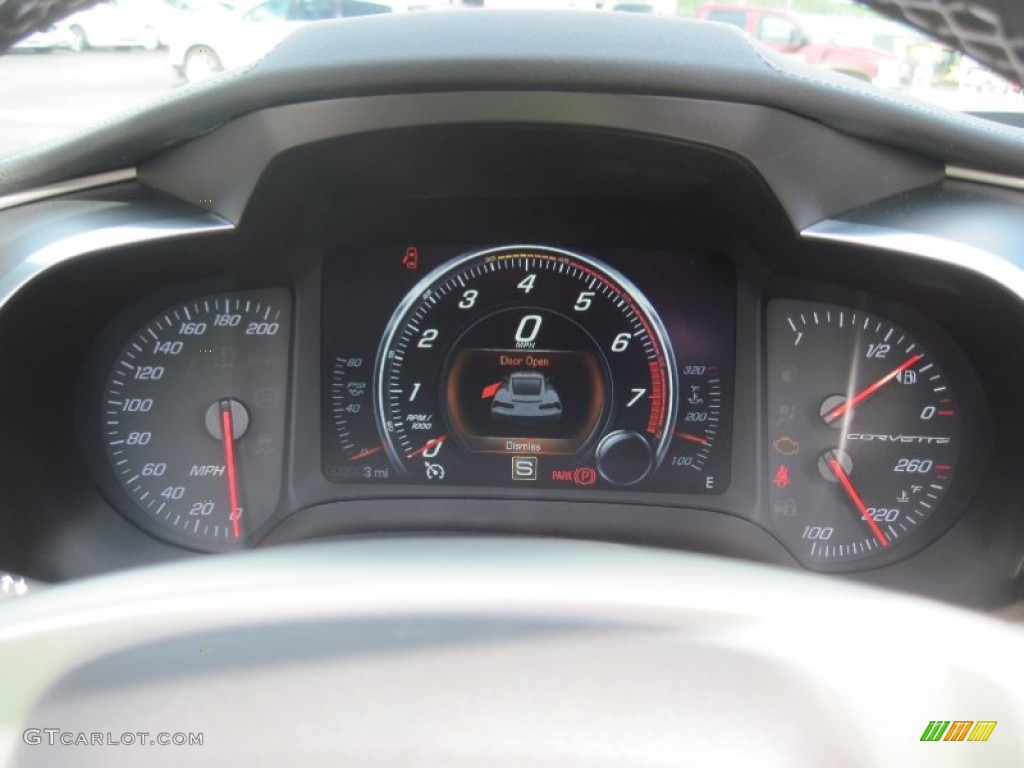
192,418
526,364
865,432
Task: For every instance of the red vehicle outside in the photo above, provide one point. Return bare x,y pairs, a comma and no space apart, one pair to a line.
866,54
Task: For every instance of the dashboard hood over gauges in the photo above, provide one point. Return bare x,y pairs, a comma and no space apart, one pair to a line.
561,52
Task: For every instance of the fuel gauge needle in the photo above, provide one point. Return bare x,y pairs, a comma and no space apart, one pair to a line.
844,480
227,424
869,390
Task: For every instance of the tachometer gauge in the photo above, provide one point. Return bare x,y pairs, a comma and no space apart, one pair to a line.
864,431
192,417
530,365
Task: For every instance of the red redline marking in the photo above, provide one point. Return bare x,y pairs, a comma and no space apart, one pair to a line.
946,413
946,400
692,438
367,452
228,433
943,467
868,391
428,445
657,396
844,479
659,382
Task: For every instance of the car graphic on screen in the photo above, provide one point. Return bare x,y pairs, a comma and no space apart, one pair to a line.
526,396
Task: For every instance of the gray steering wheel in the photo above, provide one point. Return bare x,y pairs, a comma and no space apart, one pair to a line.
438,651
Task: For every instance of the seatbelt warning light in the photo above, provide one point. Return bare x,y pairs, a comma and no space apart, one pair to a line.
781,479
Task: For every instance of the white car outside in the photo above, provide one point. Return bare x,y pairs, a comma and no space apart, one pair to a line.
124,24
54,36
226,37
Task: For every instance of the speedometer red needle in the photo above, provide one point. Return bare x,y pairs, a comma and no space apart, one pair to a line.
844,480
227,426
868,391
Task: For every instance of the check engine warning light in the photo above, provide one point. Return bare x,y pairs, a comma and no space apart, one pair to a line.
781,479
411,259
786,445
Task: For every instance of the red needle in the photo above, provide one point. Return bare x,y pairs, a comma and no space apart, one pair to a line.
844,480
227,426
692,438
867,392
428,446
366,453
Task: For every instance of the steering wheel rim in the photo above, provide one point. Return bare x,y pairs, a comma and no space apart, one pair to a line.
453,651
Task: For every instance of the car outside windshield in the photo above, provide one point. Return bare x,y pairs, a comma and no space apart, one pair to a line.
120,54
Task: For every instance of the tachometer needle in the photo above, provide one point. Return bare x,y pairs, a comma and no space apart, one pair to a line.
844,480
227,424
868,391
432,443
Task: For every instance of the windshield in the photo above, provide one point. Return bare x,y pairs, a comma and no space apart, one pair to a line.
119,54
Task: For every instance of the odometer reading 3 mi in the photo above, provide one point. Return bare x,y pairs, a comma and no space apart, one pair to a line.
527,365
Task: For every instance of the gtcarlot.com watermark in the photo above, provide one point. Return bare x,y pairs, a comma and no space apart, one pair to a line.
56,737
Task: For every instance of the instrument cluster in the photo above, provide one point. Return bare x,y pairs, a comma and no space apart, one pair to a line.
542,371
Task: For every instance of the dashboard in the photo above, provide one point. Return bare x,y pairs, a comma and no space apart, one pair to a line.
621,319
